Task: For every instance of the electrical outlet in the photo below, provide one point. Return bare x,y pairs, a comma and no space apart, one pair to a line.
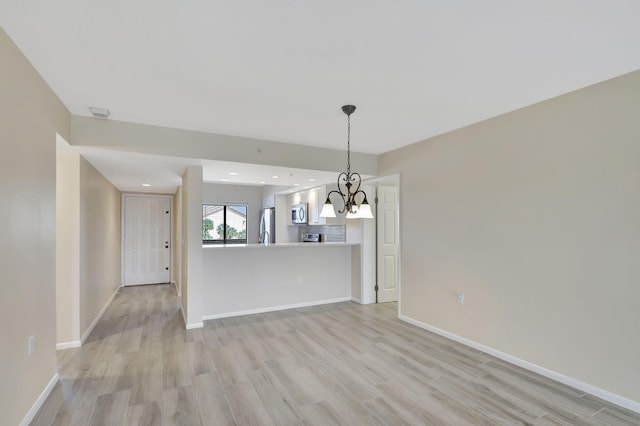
460,298
31,345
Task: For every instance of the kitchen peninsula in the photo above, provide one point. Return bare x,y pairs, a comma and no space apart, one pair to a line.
242,279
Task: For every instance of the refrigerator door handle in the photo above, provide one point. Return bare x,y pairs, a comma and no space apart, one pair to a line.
261,230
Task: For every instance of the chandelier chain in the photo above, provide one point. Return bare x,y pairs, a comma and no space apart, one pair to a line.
348,145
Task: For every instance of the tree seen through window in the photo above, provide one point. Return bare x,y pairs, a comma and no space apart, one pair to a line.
224,223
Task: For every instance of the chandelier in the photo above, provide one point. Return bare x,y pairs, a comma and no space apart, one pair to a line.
348,185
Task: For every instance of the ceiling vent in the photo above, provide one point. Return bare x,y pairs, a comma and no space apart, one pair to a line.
100,112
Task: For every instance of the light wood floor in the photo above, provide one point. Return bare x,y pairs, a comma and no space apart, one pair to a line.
343,364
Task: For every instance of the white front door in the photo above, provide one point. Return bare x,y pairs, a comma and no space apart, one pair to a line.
387,218
146,239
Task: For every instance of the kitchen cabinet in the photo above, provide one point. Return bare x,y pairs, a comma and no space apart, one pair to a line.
315,199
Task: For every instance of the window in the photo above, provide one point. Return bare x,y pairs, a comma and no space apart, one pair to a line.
224,224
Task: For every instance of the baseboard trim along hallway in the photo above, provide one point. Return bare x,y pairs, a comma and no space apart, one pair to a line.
593,390
31,414
99,316
77,343
68,345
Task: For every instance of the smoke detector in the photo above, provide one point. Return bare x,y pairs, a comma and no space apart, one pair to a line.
99,112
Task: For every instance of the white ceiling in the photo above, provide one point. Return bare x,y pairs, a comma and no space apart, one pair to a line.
280,70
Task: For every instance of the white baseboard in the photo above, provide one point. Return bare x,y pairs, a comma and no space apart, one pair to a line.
355,299
36,405
67,345
195,325
186,324
95,321
585,387
276,308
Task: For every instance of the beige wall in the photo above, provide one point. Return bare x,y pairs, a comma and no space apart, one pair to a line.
67,248
30,117
100,243
535,215
88,245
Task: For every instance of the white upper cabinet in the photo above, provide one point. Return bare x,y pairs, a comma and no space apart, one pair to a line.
315,198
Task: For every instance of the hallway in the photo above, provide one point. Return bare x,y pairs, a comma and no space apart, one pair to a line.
342,363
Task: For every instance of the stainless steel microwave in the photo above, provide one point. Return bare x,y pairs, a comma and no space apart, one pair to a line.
299,213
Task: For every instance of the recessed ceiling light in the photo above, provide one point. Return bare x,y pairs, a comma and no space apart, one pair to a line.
312,180
224,180
146,184
296,184
262,182
306,187
233,173
274,176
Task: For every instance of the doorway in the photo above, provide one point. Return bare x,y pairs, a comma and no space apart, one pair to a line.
146,239
381,256
387,243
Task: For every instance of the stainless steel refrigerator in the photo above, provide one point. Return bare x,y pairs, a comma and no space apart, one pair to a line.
267,226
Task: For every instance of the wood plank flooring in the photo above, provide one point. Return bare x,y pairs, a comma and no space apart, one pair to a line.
338,364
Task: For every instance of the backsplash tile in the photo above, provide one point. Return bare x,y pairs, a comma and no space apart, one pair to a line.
330,233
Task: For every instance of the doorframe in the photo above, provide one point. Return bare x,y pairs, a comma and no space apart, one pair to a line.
393,179
124,195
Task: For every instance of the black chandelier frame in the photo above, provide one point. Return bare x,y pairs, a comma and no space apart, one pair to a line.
348,180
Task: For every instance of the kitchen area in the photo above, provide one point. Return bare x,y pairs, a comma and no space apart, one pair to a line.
291,256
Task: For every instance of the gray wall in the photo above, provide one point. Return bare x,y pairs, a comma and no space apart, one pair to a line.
192,302
535,215
213,193
253,279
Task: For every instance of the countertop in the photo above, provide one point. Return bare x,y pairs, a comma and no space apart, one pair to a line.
276,245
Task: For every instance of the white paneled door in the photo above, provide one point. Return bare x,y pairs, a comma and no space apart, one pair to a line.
387,218
147,239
